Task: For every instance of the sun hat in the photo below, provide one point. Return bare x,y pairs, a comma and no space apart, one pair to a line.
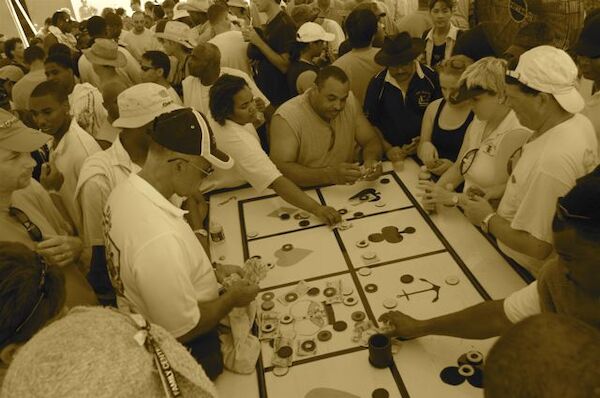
588,44
16,137
237,3
187,131
310,32
140,104
194,5
11,72
100,352
399,50
105,52
304,13
552,71
179,13
178,32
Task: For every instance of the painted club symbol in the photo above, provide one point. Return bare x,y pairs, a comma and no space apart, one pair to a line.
391,234
366,195
434,288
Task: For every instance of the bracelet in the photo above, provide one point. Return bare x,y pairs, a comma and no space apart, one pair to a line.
485,224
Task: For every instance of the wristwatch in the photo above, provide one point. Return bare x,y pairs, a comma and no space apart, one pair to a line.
485,223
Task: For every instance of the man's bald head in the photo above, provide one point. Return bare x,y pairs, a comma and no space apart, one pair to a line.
205,63
546,355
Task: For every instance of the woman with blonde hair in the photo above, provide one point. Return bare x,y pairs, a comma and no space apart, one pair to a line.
444,122
492,142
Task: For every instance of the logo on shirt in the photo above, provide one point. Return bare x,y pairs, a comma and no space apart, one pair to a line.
423,98
113,254
519,11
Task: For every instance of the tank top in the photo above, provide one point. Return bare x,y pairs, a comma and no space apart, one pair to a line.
448,142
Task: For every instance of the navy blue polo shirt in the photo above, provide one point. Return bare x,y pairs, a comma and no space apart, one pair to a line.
399,118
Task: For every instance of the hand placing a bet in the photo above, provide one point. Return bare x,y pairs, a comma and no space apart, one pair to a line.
374,169
222,271
328,214
242,293
476,209
395,154
439,166
60,250
404,326
434,194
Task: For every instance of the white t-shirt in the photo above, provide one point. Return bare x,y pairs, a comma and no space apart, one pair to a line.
523,303
156,263
196,95
100,174
548,168
251,163
174,95
233,50
489,165
22,89
69,155
138,44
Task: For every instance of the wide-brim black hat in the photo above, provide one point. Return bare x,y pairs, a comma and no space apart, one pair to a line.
399,49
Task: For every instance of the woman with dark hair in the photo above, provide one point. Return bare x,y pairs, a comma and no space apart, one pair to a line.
32,294
441,39
232,108
309,45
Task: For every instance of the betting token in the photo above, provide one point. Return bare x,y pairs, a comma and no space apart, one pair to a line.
406,278
291,297
342,211
280,371
477,379
358,214
369,255
313,291
466,370
358,316
268,327
285,351
268,296
350,301
452,280
304,223
362,243
376,237
270,265
267,305
287,247
451,376
302,215
308,345
286,319
380,393
390,303
252,234
380,204
329,292
340,326
284,216
324,335
364,271
344,225
347,290
475,357
385,181
371,288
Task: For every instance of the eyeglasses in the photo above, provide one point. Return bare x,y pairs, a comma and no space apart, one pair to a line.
206,172
564,213
41,293
33,230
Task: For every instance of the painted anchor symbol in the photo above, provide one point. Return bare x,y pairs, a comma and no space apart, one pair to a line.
434,288
366,195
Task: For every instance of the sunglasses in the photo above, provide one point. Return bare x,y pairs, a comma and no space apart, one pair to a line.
467,161
33,230
41,293
206,172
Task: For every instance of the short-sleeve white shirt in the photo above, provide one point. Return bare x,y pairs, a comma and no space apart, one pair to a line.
523,303
156,263
548,168
251,163
233,49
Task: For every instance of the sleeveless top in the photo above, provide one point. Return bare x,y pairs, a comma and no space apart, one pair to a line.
448,142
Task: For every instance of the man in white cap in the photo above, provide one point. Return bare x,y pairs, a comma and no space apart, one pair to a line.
157,265
140,39
541,90
103,171
198,11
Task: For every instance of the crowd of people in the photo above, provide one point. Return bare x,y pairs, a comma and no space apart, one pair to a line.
115,129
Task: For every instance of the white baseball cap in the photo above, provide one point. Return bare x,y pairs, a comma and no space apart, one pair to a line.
140,104
310,32
550,70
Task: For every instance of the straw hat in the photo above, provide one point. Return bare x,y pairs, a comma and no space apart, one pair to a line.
178,32
105,52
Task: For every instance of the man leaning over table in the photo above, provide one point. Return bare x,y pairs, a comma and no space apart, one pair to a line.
314,136
157,265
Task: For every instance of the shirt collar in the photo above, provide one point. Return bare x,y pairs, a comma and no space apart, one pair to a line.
74,129
119,157
452,33
154,196
390,79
